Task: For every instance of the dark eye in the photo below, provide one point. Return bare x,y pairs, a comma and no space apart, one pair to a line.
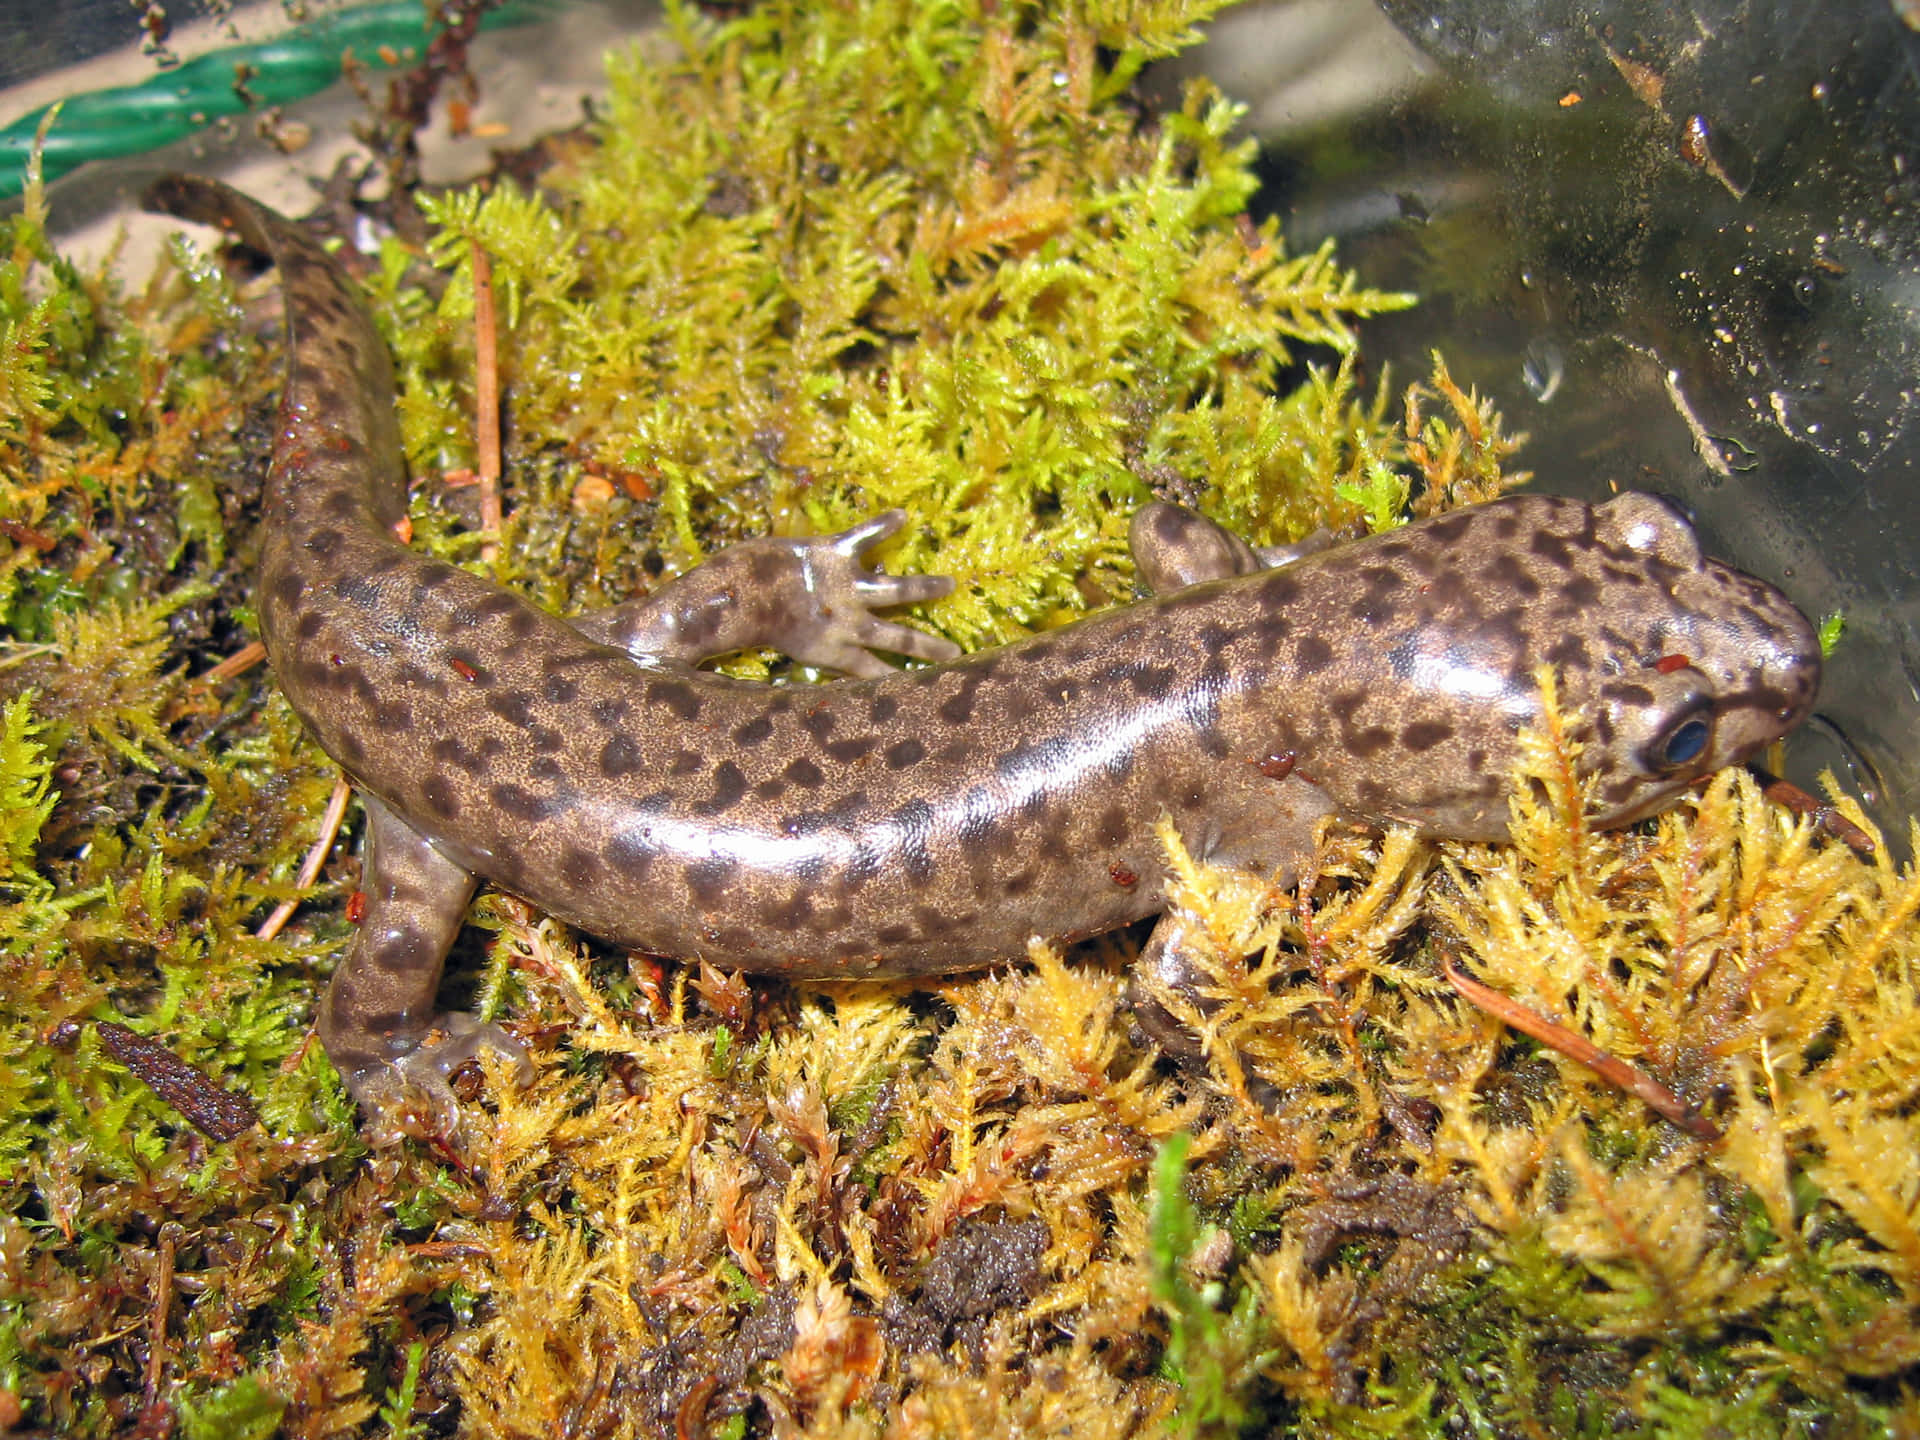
1684,744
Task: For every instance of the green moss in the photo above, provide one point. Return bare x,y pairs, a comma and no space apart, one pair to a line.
943,272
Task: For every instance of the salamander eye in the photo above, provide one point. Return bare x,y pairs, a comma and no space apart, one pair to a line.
1683,744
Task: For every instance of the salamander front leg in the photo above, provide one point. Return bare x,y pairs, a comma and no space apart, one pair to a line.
378,1022
812,599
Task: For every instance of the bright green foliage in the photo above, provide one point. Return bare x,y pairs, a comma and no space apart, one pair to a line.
27,795
1211,1357
836,259
245,1410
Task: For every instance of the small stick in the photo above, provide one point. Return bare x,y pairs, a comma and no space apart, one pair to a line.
486,399
1576,1046
1824,816
316,857
238,663
157,1322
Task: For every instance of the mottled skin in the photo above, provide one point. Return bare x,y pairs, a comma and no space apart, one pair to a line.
927,821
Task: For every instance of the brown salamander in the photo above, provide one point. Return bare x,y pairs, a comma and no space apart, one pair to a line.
929,820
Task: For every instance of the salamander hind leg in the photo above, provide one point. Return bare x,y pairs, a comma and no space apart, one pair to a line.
1173,547
812,599
393,1050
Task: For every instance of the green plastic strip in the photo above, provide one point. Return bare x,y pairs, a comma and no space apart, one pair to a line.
137,118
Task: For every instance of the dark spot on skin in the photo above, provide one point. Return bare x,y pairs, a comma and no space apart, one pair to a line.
707,880
1632,696
1450,528
449,751
545,767
1216,637
558,689
686,762
1579,593
676,695
310,625
1552,549
523,804
1278,591
609,712
1344,706
1506,525
1370,742
1020,884
1507,573
914,821
769,789
906,753
437,794
402,952
790,914
728,786
818,722
957,708
1151,682
883,709
395,717
492,606
523,623
1113,827
849,750
849,808
324,543
287,588
1372,793
545,738
632,855
1425,734
1038,758
936,925
866,863
893,934
1569,654
804,773
579,869
358,591
513,706
1312,655
1476,759
1373,611
754,731
620,756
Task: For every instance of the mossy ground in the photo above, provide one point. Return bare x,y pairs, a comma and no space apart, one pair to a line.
820,261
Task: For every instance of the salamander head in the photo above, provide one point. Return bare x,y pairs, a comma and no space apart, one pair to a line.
1727,666
1669,665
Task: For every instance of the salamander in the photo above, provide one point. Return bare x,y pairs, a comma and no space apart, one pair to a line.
928,820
